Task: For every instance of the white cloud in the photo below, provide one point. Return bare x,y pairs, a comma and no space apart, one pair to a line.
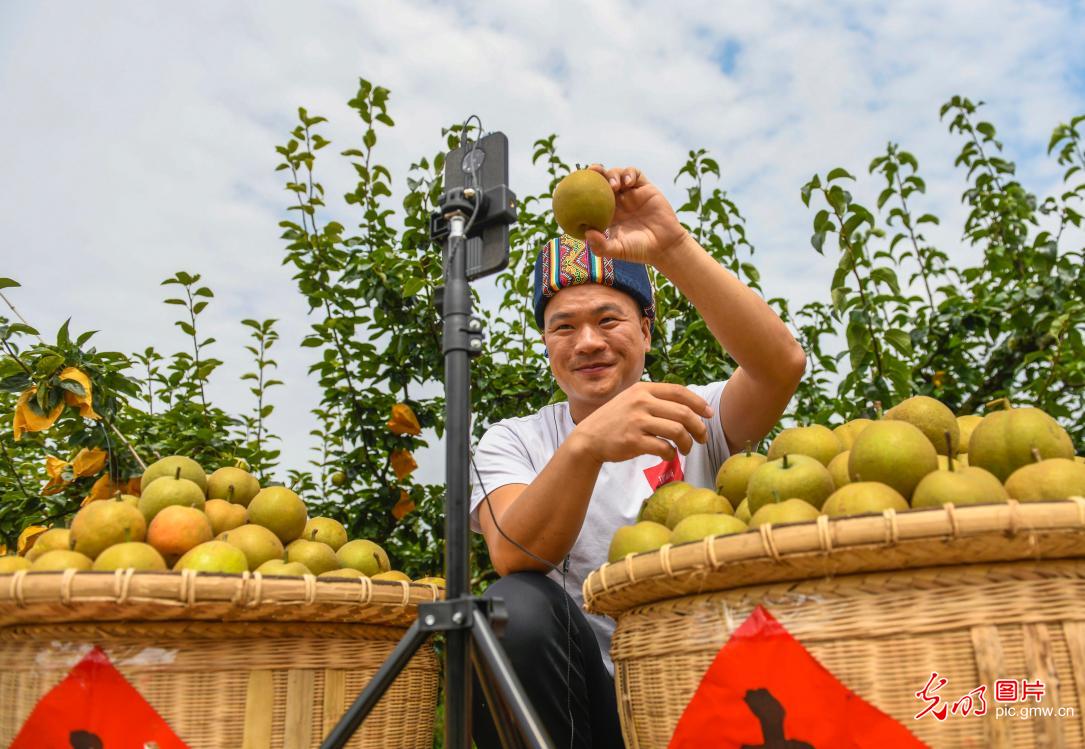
139,138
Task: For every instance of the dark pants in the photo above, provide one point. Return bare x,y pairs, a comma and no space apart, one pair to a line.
556,657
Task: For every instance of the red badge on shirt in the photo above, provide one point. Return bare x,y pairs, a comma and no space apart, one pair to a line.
765,691
664,473
95,707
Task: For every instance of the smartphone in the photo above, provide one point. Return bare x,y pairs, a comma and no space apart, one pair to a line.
484,166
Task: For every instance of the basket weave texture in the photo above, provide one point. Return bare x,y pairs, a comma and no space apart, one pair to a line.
231,661
973,593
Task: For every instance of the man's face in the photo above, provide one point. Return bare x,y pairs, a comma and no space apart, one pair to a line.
597,340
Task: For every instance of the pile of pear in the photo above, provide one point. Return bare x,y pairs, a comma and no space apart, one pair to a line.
917,455
225,522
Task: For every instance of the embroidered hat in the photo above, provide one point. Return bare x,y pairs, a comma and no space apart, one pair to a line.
565,261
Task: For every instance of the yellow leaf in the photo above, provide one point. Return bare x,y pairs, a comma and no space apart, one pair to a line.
403,420
104,488
82,403
89,462
403,463
403,506
28,537
27,421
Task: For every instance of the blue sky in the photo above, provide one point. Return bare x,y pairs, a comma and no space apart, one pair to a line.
139,138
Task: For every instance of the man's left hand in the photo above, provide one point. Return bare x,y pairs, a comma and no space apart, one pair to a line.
645,226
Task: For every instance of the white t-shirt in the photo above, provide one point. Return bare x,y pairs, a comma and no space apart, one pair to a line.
514,451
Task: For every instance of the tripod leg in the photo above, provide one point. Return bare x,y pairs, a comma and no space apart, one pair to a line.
498,677
367,699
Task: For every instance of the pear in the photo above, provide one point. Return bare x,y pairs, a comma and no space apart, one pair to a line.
1054,478
256,542
225,516
634,539
815,441
51,540
279,510
658,506
848,431
283,569
1079,458
316,555
326,530
11,563
438,581
960,460
961,485
233,485
696,527
967,424
742,512
583,200
345,572
1004,440
169,466
734,474
930,416
402,577
861,497
792,510
103,523
60,559
132,555
838,469
798,476
696,502
170,490
176,529
892,452
213,556
364,556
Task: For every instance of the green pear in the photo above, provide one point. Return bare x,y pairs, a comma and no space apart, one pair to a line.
402,577
170,490
815,441
583,200
635,539
344,572
861,497
695,502
132,555
326,530
316,555
742,512
364,556
225,516
696,527
105,522
792,476
256,542
11,563
838,469
792,510
1054,478
932,417
170,466
283,569
967,425
848,431
279,510
1004,440
734,474
658,506
961,485
892,452
233,485
213,556
61,559
51,540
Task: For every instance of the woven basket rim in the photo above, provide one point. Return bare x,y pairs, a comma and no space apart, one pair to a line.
28,597
926,537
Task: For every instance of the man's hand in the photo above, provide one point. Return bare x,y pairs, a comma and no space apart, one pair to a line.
641,420
645,225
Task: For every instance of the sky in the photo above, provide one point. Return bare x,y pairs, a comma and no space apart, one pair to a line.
139,137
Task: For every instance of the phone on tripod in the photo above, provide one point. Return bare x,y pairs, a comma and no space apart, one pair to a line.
483,166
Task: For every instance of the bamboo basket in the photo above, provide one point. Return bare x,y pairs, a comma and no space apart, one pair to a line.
229,661
975,593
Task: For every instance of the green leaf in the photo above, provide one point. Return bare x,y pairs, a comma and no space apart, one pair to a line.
838,173
8,283
899,340
413,286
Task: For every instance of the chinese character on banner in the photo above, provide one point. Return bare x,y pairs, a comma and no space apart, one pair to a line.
764,690
94,707
932,700
1006,690
1035,691
665,472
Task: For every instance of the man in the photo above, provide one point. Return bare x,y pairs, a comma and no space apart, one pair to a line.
560,482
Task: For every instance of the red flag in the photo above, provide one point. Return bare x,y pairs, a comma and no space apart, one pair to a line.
94,707
765,691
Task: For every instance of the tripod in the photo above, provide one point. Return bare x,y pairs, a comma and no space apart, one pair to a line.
470,623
